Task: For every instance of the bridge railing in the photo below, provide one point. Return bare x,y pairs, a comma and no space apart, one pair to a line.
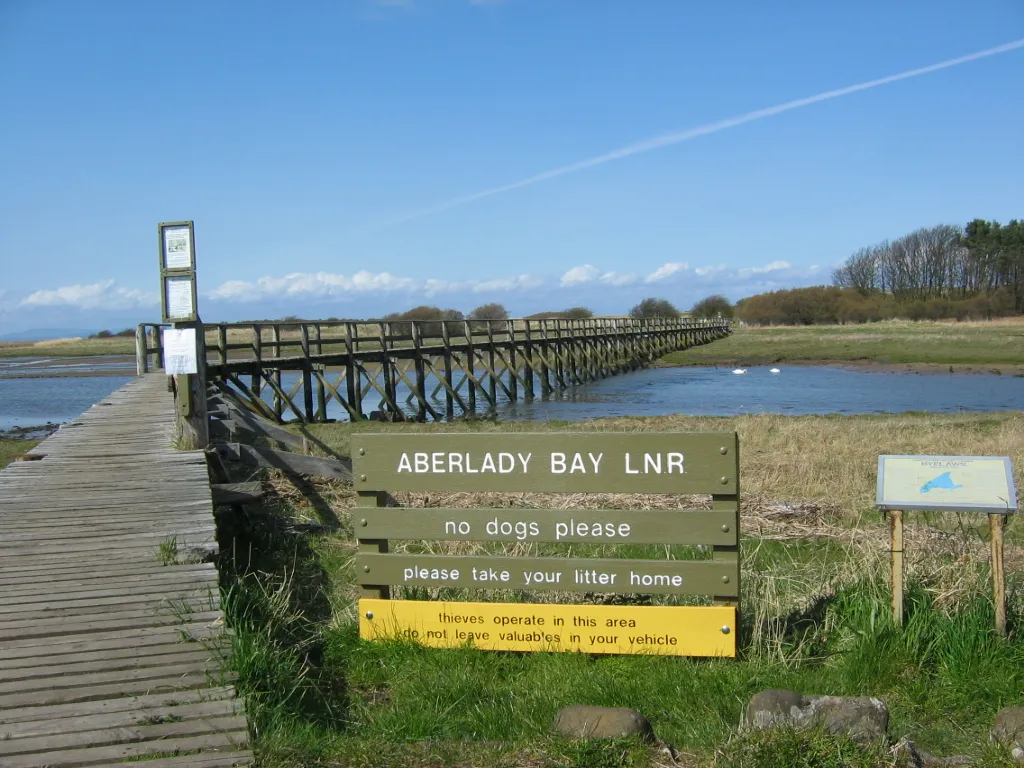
233,345
149,349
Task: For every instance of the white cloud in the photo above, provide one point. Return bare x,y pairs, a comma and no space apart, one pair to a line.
615,279
577,275
517,283
775,266
105,294
704,271
666,270
328,284
588,273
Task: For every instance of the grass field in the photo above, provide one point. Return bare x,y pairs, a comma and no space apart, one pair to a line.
978,345
11,448
116,345
815,619
983,346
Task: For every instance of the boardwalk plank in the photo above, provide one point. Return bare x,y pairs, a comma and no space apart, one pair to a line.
79,758
106,654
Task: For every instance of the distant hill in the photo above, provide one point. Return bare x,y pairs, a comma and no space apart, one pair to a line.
43,334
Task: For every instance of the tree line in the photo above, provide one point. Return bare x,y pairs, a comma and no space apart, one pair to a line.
984,258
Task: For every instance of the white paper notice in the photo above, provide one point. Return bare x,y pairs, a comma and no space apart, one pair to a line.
179,298
180,351
177,248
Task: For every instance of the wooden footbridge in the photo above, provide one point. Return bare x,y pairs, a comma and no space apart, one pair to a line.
112,638
423,370
111,632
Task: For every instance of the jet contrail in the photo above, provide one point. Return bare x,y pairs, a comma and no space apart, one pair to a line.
669,139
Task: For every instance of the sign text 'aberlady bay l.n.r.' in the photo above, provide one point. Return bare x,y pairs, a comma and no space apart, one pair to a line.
627,463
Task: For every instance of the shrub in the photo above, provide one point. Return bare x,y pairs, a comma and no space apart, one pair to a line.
495,314
651,307
715,305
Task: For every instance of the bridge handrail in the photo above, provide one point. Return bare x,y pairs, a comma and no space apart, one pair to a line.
306,338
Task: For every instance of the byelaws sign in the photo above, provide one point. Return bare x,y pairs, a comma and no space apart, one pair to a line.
952,483
661,630
679,463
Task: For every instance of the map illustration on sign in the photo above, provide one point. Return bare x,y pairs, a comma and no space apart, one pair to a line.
954,483
943,481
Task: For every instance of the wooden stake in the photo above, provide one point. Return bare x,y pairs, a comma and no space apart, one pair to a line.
995,527
896,547
190,397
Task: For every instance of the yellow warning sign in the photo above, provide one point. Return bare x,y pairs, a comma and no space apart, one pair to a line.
658,630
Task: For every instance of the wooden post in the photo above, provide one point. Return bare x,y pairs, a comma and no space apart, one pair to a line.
492,386
190,398
470,369
449,403
257,349
307,374
276,375
528,362
321,394
222,344
995,527
513,382
421,372
896,548
386,371
373,546
352,376
141,353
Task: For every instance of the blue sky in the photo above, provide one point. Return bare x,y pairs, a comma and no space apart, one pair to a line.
317,146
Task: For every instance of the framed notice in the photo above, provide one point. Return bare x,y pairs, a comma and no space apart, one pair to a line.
177,249
179,298
947,483
177,246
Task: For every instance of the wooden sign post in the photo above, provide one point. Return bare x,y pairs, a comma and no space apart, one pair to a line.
947,484
677,463
183,344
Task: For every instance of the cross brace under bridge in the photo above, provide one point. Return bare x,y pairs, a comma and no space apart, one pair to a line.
423,370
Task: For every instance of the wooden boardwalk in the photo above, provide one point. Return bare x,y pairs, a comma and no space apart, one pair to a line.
111,633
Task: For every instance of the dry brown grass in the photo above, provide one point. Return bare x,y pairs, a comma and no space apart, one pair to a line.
808,516
829,460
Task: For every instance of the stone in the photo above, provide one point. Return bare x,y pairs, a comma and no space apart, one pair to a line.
583,722
1008,730
861,718
776,706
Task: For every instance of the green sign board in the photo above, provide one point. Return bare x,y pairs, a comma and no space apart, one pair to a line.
949,483
633,463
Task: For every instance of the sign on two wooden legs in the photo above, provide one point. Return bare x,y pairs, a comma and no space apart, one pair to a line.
678,463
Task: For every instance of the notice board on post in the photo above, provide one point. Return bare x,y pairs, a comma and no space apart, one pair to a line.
177,249
633,463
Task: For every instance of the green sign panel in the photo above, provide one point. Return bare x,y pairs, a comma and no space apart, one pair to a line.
633,463
597,526
559,574
685,463
950,483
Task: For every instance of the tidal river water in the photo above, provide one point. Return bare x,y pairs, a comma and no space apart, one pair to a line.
652,392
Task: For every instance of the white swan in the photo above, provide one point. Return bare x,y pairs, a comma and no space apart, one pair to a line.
774,370
740,370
